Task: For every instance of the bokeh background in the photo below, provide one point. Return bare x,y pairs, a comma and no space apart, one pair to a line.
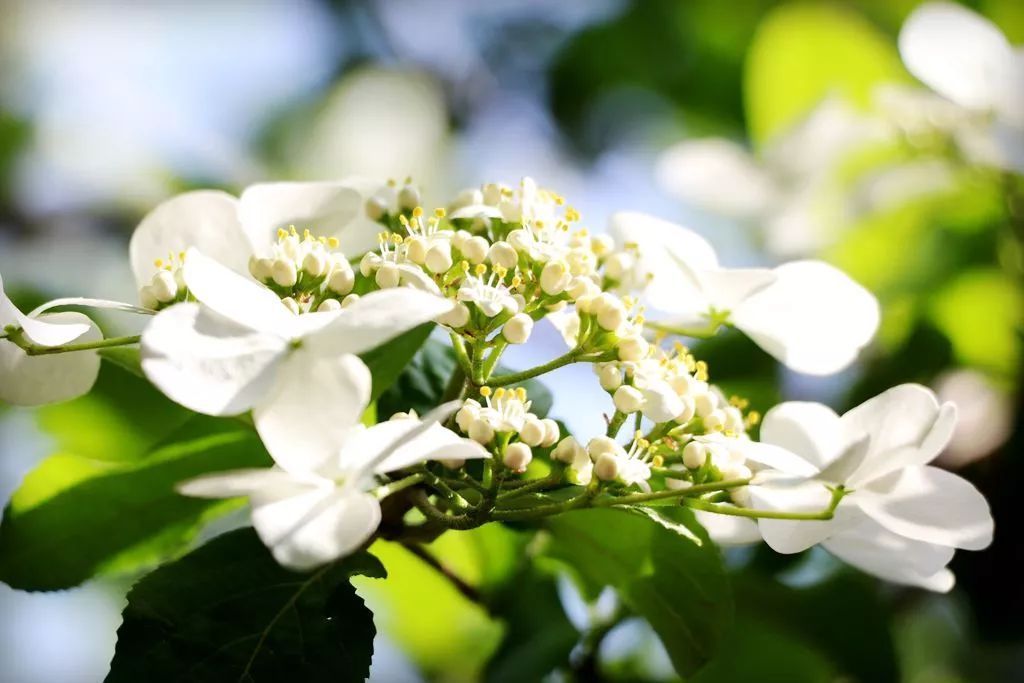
106,108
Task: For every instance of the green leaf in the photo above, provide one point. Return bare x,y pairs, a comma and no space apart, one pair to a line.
229,612
127,358
387,362
422,383
677,584
74,518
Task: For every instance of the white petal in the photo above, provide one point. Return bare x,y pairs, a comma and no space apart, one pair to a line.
931,505
765,454
567,323
204,219
315,527
90,303
235,296
906,425
36,380
871,548
313,404
794,495
956,52
661,402
810,430
44,332
413,276
270,481
717,175
727,530
813,318
208,363
727,288
435,443
326,208
376,318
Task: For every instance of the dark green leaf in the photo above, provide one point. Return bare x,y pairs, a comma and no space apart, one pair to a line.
229,612
74,517
387,362
662,565
126,357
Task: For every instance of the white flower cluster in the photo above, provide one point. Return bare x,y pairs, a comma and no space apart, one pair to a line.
504,422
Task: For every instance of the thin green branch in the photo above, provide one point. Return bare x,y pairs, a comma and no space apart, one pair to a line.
37,350
577,355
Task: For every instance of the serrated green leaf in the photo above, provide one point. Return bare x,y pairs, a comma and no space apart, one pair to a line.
678,585
74,518
229,612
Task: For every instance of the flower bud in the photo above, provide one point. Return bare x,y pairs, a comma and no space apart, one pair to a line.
677,484
459,239
376,208
502,254
714,421
688,410
607,467
416,249
369,263
580,471
628,399
481,431
475,249
733,419
704,403
520,239
661,404
439,257
602,444
551,432
164,288
601,244
554,278
261,268
148,298
581,286
284,273
291,304
517,456
468,197
469,411
315,263
349,300
491,194
329,306
632,348
586,304
409,197
341,281
455,318
568,449
452,463
618,265
388,276
611,313
741,496
733,471
694,454
518,328
532,432
609,375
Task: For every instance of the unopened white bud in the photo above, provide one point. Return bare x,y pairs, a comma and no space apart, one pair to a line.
581,286
284,273
502,254
688,410
733,471
567,450
459,239
517,456
532,432
611,313
600,445
694,454
376,207
341,281
468,197
628,399
520,239
439,257
715,420
315,263
704,403
609,375
261,268
554,278
475,250
409,197
481,431
329,306
402,415
741,496
607,467
618,265
147,298
388,276
551,432
455,318
369,264
291,304
416,249
452,463
602,244
585,304
733,419
467,413
518,328
164,288
349,300
633,348
674,484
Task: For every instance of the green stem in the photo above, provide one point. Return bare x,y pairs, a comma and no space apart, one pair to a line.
695,332
37,350
423,504
580,501
577,355
454,499
500,344
395,486
461,355
456,385
734,511
531,487
615,424
669,493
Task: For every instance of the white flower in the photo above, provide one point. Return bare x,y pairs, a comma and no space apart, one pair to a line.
243,349
808,314
325,509
490,296
35,380
901,518
967,59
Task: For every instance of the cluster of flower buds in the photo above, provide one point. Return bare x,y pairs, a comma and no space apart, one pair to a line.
605,459
167,285
391,202
305,272
504,423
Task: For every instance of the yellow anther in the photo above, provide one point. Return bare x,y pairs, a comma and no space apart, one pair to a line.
753,417
281,233
485,392
408,180
500,271
571,214
306,234
396,238
539,224
293,231
480,269
639,320
658,461
464,265
391,182
417,212
440,213
159,263
181,256
403,220
500,393
521,393
332,242
638,435
517,281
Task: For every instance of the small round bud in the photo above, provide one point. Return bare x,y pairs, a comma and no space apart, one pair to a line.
602,244
439,257
602,444
164,288
694,454
452,463
315,263
609,375
618,265
349,300
733,419
611,313
409,197
475,250
369,264
733,471
518,329
628,399
517,456
148,298
688,410
416,249
632,348
467,413
376,208
459,239
481,431
704,403
585,304
607,467
554,278
341,281
291,304
580,286
741,496
284,273
502,254
551,432
567,450
329,306
455,318
388,276
715,420
261,268
532,432
520,239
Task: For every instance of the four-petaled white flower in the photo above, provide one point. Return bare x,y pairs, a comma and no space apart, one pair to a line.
901,519
808,314
242,349
491,297
325,509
